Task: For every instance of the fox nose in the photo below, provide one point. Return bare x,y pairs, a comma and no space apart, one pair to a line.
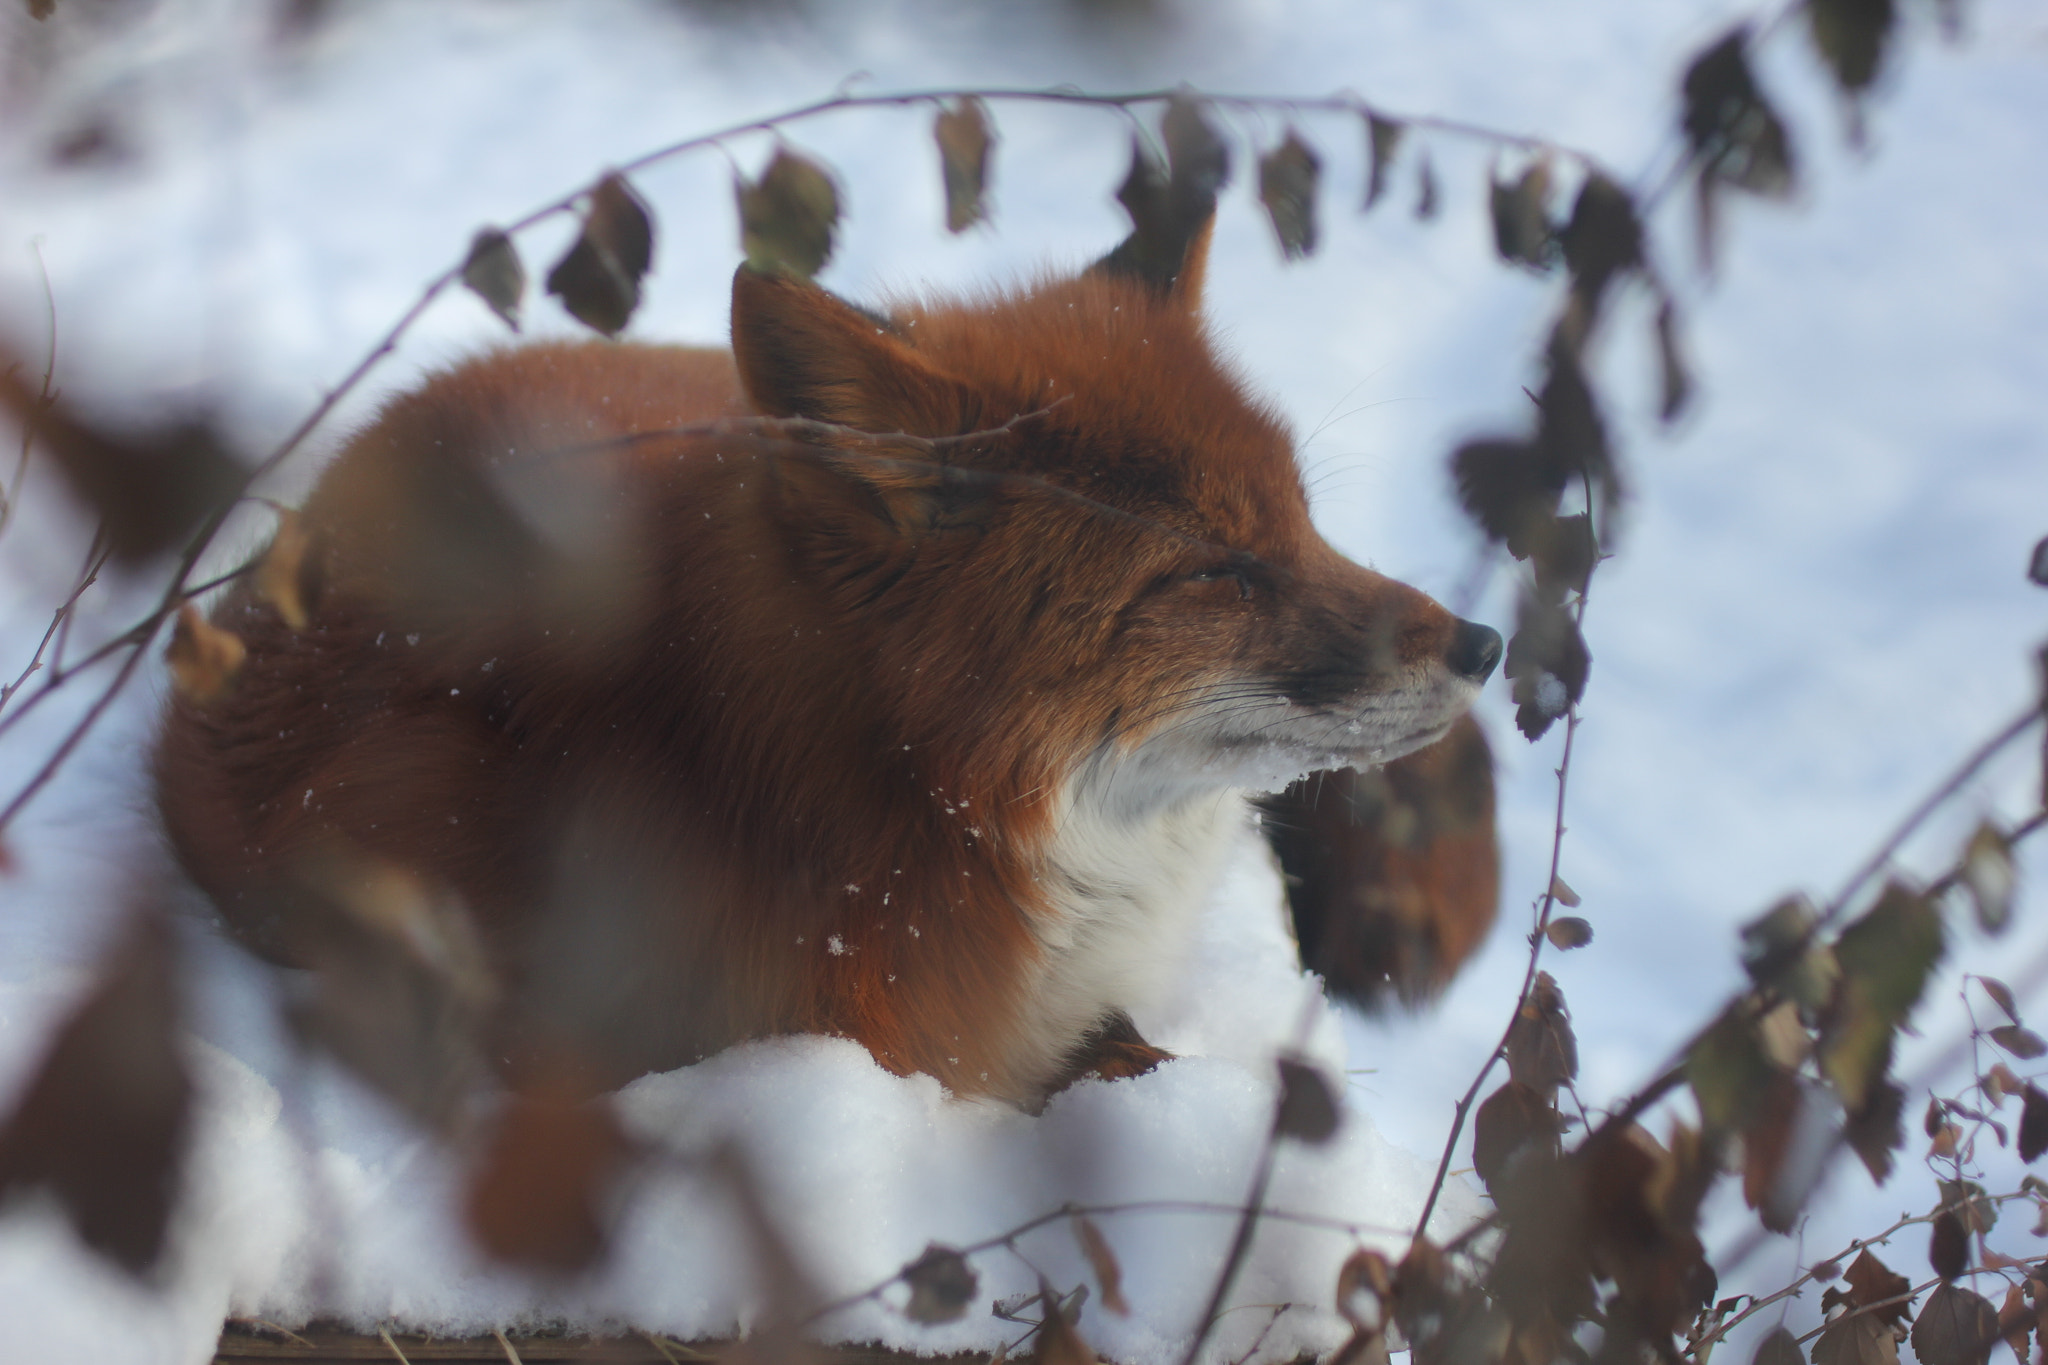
1474,651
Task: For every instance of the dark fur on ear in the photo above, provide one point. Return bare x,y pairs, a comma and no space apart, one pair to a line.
1169,259
859,509
1172,216
804,353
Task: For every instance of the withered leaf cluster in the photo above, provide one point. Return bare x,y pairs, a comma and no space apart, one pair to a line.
149,487
789,215
1735,135
942,1284
105,1118
598,279
965,139
1393,876
1287,187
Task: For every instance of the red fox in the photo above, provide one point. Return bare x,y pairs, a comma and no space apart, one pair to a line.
896,677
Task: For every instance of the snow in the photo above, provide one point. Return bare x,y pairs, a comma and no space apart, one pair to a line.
1818,604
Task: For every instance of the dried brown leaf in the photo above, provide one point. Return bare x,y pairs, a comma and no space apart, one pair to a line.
1957,1326
1729,1072
942,1285
1857,1340
1543,1053
2001,996
1420,1288
1363,1283
2016,1322
1570,431
1977,1209
1784,1039
1872,1282
1999,1082
1948,1245
1777,1170
1288,176
1058,1342
598,279
542,1192
1734,133
1603,238
1877,1129
400,985
1885,958
2022,1043
1548,661
1850,36
1674,376
1780,1347
148,487
1988,874
617,220
2033,1123
1392,875
1568,932
103,1122
495,274
962,132
1510,489
1308,1110
203,657
1564,552
1522,232
1563,894
1426,199
1108,1274
1507,1123
1383,140
789,216
2037,563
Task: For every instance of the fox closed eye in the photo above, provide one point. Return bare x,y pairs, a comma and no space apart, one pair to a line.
1216,572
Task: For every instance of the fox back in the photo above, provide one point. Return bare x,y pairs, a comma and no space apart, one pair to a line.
894,677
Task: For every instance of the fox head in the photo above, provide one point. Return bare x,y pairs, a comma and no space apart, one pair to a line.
1108,548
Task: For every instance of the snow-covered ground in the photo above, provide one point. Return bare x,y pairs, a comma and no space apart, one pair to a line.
1817,606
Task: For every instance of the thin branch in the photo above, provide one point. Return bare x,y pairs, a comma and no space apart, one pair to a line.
1067,1211
1240,1247
1807,1277
60,624
1933,802
1911,1294
1537,940
96,556
72,739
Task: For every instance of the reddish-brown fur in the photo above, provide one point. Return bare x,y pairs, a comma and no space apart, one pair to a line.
768,730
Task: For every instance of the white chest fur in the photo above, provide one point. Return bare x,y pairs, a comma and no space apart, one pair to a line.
1124,888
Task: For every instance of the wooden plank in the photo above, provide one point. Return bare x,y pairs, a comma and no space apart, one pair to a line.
243,1343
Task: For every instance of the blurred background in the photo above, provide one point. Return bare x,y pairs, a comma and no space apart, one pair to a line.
1818,600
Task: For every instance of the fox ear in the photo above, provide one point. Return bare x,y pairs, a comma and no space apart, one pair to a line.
1167,252
804,353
